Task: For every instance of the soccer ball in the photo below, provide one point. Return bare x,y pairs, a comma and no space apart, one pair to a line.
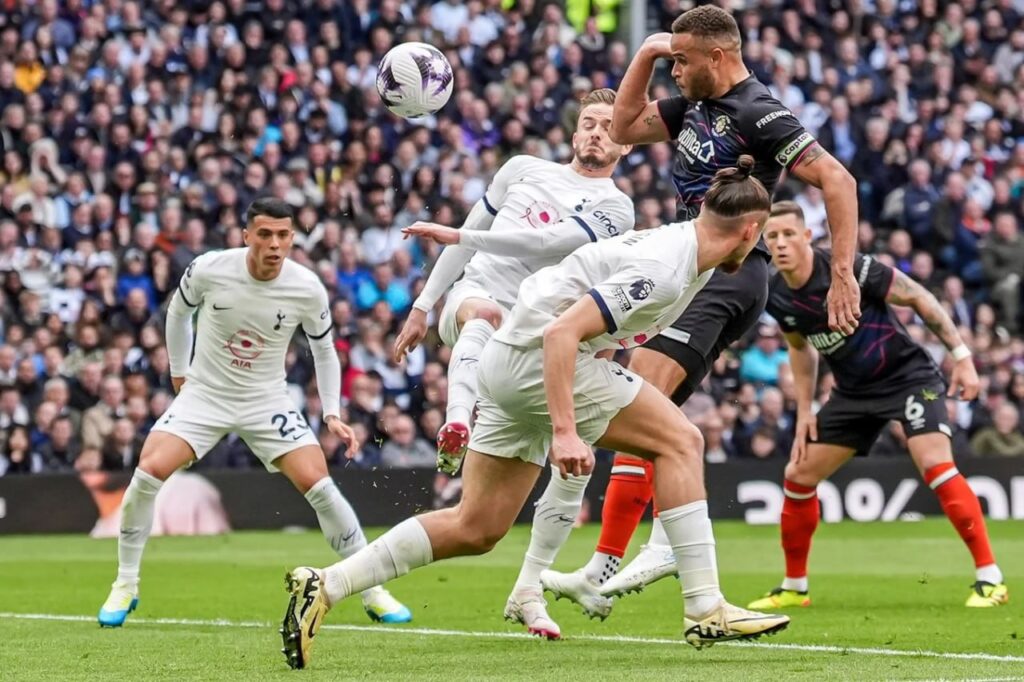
414,79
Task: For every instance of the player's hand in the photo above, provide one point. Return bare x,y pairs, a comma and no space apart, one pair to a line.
571,455
345,433
658,46
806,431
442,234
964,384
413,331
843,303
177,383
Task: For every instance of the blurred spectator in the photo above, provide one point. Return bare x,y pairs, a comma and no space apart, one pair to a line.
404,449
760,363
1004,437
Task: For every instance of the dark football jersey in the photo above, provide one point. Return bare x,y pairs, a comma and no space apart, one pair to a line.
879,358
712,134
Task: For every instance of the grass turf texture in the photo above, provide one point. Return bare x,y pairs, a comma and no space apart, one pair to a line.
898,587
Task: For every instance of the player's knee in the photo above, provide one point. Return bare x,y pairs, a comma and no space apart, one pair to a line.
802,473
687,443
483,538
489,313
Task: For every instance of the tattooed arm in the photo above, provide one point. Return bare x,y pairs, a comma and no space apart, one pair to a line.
635,118
905,291
817,167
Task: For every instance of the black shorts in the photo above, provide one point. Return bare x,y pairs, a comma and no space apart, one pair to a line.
856,422
721,313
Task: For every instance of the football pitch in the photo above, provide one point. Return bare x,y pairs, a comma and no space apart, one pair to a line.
888,605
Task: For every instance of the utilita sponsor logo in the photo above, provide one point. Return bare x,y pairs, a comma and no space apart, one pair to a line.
864,499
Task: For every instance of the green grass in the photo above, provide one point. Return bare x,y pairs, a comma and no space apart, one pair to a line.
896,586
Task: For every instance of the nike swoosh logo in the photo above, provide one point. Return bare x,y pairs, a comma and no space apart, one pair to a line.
223,308
311,633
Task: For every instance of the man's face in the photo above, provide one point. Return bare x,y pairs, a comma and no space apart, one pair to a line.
789,241
750,234
269,240
591,143
694,66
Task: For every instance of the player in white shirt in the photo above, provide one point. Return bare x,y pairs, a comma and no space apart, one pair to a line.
250,301
544,390
534,213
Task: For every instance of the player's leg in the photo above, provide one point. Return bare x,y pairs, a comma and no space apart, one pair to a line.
189,428
627,496
306,468
162,455
800,515
924,421
651,426
494,491
467,329
664,364
553,519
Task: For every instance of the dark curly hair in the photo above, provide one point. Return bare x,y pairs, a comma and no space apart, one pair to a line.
708,22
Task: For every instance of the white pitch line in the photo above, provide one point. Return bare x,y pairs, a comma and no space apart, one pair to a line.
624,639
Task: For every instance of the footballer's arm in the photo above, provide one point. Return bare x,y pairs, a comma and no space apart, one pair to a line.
906,292
804,361
819,168
635,118
582,321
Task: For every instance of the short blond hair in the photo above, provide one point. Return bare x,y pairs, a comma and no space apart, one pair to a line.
599,96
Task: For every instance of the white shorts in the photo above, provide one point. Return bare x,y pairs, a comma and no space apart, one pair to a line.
513,418
270,425
448,324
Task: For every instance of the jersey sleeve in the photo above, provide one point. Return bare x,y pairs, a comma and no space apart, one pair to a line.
494,197
672,110
874,277
316,320
774,132
630,290
195,282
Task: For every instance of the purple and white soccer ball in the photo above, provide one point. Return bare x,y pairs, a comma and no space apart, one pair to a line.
414,79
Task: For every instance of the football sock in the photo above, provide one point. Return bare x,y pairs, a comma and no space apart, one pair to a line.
688,528
963,510
337,519
136,522
799,521
601,567
462,369
625,500
553,519
398,551
658,536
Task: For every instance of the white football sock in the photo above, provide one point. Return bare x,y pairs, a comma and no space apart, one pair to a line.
601,567
401,549
795,584
658,536
136,522
989,574
553,519
688,528
462,369
338,520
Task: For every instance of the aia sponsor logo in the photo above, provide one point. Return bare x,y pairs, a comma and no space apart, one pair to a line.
245,346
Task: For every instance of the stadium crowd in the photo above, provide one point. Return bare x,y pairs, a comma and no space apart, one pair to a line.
134,134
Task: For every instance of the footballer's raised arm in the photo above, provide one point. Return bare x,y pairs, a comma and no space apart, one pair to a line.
635,118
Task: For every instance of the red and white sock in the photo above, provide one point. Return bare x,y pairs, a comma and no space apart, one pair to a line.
625,500
963,510
799,521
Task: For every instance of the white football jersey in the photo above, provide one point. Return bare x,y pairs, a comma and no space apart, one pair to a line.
245,325
529,193
642,282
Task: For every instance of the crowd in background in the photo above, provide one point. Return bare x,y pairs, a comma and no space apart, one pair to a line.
134,134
